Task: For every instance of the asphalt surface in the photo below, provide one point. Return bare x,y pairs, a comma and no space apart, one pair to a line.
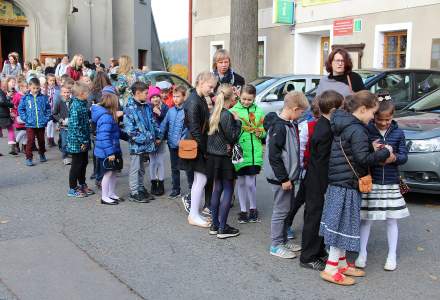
152,251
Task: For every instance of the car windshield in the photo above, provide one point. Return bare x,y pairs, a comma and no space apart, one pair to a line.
261,83
428,103
366,75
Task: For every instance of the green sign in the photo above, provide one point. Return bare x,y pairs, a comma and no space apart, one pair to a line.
283,11
357,27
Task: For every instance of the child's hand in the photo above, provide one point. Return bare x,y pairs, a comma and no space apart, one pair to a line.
111,158
287,186
235,115
156,110
391,159
389,148
377,145
83,147
158,142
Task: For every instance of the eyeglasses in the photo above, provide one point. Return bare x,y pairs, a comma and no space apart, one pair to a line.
384,98
339,61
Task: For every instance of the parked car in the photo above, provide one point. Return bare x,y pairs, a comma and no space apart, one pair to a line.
156,76
421,124
404,85
272,89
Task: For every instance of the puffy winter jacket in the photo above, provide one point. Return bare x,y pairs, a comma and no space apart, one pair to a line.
227,134
394,136
252,118
140,126
74,73
172,127
5,106
79,128
107,132
34,110
16,102
281,160
353,135
197,119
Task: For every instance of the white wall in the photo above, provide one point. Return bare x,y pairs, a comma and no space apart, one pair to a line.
307,54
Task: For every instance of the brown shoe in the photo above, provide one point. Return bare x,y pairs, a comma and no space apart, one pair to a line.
337,278
352,271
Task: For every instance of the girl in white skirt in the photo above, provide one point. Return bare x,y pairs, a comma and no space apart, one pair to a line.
385,202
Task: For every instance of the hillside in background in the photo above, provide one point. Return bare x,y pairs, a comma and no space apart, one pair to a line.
176,51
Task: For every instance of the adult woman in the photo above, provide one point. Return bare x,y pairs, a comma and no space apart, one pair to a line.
74,70
126,77
36,65
341,78
221,66
12,67
62,67
197,122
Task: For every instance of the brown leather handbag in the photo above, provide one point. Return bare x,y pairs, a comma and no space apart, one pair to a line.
365,183
187,149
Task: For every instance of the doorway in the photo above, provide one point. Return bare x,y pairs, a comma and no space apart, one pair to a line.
11,40
325,51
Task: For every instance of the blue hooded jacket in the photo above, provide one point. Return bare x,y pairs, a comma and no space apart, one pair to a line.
172,127
107,132
35,111
394,136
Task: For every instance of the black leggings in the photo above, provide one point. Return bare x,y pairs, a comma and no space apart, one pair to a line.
78,169
220,208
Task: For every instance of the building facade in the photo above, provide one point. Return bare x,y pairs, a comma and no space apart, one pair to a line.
105,28
377,33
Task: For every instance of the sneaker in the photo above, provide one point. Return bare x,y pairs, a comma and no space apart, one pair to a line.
29,162
243,217
361,262
67,161
174,194
282,252
77,193
213,230
186,201
292,247
317,265
138,198
146,195
290,233
86,190
43,158
253,216
227,232
390,264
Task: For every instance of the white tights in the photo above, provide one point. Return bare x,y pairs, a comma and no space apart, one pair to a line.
157,166
392,236
108,186
50,129
197,194
247,192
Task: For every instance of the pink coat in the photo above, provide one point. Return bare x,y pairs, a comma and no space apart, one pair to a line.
16,101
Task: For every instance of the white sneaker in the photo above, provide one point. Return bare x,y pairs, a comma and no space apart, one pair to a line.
361,262
282,252
292,247
390,264
67,161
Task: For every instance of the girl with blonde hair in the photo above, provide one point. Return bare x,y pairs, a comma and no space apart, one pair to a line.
125,79
74,70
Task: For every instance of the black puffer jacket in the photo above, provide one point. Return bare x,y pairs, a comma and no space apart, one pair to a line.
353,135
5,106
197,119
227,134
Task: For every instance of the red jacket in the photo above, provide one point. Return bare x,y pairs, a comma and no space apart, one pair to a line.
75,74
16,101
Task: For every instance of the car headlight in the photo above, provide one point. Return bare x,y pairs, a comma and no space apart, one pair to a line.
429,145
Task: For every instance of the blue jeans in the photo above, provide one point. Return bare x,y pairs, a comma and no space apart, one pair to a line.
62,143
175,171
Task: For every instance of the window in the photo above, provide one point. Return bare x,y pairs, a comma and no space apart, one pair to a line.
435,54
277,93
315,83
260,65
398,85
214,46
394,55
426,83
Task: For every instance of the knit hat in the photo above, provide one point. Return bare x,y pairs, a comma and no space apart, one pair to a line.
108,89
163,85
153,91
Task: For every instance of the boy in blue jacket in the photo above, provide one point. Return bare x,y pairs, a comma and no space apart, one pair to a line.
143,134
35,111
173,129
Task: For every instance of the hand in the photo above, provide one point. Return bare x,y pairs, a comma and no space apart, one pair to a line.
389,148
158,142
156,110
9,94
111,158
391,159
377,145
83,147
13,115
119,113
235,115
287,186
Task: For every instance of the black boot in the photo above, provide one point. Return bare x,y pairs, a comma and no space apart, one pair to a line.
154,187
160,188
17,147
13,152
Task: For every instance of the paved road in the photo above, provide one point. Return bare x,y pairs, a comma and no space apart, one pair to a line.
152,253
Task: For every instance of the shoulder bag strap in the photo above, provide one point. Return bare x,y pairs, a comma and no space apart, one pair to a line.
342,148
349,83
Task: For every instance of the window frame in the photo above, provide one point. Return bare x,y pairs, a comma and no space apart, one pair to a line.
398,52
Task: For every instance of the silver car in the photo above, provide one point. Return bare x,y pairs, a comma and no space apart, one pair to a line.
421,124
272,89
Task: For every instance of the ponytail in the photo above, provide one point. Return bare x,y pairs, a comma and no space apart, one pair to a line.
225,94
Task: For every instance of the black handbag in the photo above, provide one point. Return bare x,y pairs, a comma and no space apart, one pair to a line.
116,165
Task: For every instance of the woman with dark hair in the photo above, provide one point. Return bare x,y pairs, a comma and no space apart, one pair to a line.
100,81
11,67
341,78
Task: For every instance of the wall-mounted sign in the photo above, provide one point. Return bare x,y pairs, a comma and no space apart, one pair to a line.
317,2
283,11
357,27
343,27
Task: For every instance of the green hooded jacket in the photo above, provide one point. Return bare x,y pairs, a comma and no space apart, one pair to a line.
252,121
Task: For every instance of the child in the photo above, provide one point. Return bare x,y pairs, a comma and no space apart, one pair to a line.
52,91
313,253
385,202
105,116
281,168
6,119
166,93
351,155
20,136
143,133
173,129
34,110
252,118
61,116
157,158
78,141
224,131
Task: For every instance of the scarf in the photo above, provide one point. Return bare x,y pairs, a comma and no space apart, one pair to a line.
227,78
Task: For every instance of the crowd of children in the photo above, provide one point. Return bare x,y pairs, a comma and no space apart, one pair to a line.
326,157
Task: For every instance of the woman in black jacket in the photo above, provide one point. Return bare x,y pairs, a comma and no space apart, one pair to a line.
222,70
224,131
351,155
197,123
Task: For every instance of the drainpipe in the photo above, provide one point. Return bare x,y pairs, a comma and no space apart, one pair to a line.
190,41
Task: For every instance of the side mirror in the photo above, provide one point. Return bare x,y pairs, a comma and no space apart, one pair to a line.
270,98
